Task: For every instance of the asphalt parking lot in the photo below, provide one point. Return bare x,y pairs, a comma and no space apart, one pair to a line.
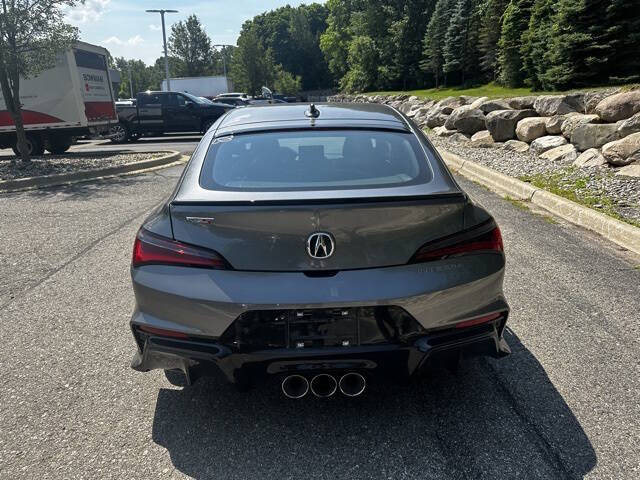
565,404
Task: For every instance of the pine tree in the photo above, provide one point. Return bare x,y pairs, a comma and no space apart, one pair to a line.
455,41
514,23
535,49
491,23
622,36
434,39
577,57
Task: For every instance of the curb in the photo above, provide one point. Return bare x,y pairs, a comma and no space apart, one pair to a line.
621,233
29,183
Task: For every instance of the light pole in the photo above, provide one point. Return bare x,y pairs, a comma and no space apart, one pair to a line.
224,62
164,42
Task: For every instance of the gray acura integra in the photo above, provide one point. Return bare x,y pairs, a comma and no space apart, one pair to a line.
318,246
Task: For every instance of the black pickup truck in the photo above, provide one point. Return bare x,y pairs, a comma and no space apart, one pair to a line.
155,113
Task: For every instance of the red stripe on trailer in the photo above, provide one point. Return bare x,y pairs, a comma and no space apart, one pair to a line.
97,111
29,117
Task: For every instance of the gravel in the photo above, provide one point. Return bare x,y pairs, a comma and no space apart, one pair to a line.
70,162
624,192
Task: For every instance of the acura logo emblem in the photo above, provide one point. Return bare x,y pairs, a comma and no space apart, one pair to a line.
320,245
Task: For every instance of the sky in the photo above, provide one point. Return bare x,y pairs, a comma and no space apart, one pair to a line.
128,31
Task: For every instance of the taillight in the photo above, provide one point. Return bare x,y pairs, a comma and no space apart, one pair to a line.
152,249
477,240
162,332
478,320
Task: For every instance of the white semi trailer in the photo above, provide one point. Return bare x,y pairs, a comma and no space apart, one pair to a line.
74,98
207,87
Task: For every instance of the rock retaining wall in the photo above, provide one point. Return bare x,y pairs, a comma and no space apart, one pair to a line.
584,127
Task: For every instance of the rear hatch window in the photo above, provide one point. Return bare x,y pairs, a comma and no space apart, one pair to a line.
314,160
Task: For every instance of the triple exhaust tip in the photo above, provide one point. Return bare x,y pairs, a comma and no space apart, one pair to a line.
324,385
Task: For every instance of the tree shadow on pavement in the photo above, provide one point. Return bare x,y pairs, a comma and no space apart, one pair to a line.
493,419
97,188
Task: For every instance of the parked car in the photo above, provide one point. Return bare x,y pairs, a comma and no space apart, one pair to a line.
155,113
72,99
233,95
265,101
320,247
234,101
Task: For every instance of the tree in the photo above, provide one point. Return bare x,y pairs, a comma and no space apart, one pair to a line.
252,65
592,40
32,35
191,44
363,65
293,36
536,44
408,30
334,42
489,35
143,77
434,40
459,50
514,23
285,82
622,36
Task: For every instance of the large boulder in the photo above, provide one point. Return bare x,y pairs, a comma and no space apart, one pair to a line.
459,138
619,106
592,99
453,102
437,116
549,105
573,120
482,139
590,158
479,101
443,131
623,152
629,126
407,106
521,103
563,153
630,170
516,146
468,99
542,144
502,123
528,129
554,124
493,105
466,119
593,135
577,101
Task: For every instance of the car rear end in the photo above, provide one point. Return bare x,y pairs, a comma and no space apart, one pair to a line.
323,252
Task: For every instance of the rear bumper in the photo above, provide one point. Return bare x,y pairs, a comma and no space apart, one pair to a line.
202,302
200,357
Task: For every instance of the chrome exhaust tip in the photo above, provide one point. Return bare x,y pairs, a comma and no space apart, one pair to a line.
295,386
324,385
352,384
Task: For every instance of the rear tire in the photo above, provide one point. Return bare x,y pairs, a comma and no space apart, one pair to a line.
119,133
58,145
34,146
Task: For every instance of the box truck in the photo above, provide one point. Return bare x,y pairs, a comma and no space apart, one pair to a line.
207,87
73,98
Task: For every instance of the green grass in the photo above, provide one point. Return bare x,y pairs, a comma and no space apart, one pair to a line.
576,190
519,204
490,90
